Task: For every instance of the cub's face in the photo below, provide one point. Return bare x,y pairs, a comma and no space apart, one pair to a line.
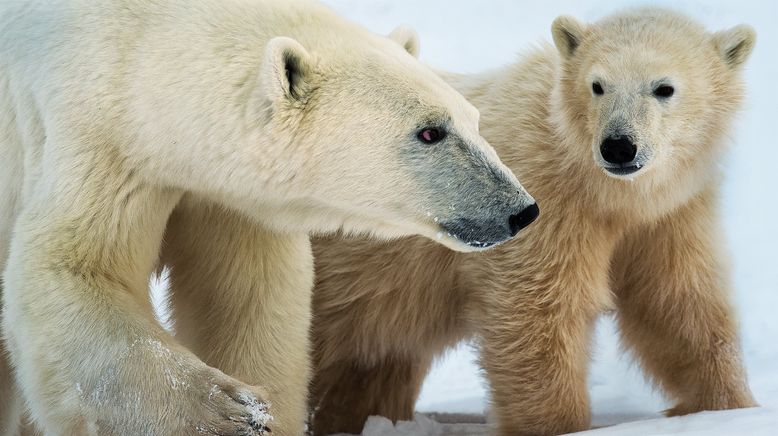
388,148
653,90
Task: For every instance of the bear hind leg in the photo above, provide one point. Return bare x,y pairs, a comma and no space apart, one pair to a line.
350,392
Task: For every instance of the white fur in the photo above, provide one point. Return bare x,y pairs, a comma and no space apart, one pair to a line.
278,117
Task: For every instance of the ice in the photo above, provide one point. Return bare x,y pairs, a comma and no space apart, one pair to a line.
421,425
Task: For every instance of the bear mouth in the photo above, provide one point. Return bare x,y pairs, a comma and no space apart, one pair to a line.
481,245
624,170
472,235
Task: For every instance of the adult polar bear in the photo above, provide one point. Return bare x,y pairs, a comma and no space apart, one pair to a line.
618,134
122,121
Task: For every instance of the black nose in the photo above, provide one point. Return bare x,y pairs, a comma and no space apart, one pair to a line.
523,219
618,150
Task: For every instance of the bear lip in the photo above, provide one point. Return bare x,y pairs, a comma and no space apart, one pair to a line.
624,170
481,245
457,232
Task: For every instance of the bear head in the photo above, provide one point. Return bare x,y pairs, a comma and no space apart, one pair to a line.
379,144
648,94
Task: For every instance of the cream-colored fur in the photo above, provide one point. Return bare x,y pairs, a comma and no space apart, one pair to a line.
231,129
647,244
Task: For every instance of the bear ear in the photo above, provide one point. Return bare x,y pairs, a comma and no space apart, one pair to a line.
286,68
735,45
407,38
568,33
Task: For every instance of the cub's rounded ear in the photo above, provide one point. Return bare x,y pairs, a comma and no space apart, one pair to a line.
407,38
735,45
286,69
568,34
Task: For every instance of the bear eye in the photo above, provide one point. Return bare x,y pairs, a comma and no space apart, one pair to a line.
597,88
664,91
431,135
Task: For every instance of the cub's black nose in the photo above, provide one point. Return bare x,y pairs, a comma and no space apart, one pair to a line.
523,219
618,150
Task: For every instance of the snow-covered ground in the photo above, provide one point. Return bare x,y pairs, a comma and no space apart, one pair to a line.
472,36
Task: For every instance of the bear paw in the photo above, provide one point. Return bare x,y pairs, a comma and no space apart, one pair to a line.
232,408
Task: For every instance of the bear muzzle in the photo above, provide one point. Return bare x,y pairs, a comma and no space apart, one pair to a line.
482,234
619,155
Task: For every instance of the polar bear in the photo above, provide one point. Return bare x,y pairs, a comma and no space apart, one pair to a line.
618,133
231,129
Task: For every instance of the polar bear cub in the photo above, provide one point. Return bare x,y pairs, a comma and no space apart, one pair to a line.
618,131
232,129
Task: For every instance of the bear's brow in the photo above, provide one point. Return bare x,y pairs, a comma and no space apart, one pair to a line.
662,81
441,120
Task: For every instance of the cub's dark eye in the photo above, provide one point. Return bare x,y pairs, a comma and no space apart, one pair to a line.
431,135
664,91
597,88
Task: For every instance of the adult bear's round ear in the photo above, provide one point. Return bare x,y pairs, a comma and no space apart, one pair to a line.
286,69
735,45
407,38
568,34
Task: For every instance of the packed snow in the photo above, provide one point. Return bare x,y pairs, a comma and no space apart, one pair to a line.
469,37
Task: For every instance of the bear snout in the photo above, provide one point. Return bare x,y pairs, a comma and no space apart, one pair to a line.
618,149
525,217
485,233
620,155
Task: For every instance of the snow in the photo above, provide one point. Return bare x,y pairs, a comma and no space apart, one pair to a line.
469,37
421,425
259,417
